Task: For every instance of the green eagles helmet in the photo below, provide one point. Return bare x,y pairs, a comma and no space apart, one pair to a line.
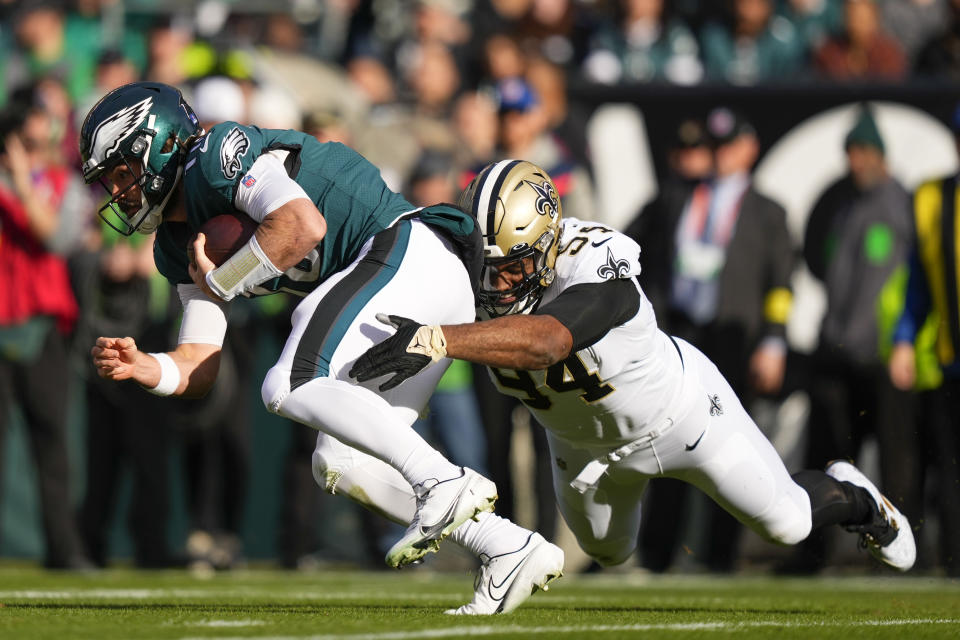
144,121
518,211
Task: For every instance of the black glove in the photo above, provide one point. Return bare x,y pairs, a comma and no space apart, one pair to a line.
404,354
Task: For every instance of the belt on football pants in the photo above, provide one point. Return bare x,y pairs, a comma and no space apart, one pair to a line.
590,475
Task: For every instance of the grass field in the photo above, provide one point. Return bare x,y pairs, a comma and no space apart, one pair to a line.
409,604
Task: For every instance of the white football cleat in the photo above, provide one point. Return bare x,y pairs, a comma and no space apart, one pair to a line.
504,582
442,506
889,536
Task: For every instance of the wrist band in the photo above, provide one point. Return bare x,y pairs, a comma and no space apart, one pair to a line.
244,270
169,375
429,341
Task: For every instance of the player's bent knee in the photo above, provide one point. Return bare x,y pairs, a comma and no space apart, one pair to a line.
275,388
610,553
325,470
789,527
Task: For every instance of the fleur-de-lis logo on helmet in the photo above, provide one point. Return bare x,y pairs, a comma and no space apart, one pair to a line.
548,204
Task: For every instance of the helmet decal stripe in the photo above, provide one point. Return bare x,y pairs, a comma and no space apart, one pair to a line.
487,202
111,132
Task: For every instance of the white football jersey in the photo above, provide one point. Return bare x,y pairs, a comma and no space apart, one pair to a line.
622,386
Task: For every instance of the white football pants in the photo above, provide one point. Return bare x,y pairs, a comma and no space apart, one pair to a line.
717,448
407,270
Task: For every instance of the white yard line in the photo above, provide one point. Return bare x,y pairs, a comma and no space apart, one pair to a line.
142,594
454,632
224,623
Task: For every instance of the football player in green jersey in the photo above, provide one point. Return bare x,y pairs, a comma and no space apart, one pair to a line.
330,230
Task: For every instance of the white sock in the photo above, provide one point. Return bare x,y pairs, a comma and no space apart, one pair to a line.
380,488
490,535
423,463
363,420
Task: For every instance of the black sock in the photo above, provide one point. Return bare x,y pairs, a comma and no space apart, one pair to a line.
834,502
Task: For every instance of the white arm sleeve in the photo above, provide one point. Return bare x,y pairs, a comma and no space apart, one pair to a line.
266,187
204,321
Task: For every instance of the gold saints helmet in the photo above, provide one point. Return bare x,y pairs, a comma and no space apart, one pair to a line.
518,212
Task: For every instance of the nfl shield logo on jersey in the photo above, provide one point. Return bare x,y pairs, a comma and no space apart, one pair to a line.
249,181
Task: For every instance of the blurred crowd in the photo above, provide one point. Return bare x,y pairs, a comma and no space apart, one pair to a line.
430,91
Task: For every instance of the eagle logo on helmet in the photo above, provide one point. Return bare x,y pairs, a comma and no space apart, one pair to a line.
613,268
112,131
233,147
547,204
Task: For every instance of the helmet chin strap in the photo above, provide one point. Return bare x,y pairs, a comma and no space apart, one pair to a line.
154,216
150,222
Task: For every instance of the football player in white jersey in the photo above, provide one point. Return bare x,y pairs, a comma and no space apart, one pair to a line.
570,333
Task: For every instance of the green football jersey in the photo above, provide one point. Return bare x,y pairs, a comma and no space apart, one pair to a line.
347,189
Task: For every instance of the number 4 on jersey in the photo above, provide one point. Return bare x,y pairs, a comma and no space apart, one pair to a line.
568,375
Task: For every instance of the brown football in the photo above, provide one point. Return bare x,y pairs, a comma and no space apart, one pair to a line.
225,234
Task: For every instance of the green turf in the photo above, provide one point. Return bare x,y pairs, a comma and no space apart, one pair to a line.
410,604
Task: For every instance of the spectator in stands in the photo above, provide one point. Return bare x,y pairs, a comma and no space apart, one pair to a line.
689,168
434,80
857,238
752,46
913,22
933,286
645,43
46,48
524,134
863,50
566,121
490,19
503,58
722,268
167,45
475,122
441,22
38,309
940,56
283,61
558,30
385,139
814,20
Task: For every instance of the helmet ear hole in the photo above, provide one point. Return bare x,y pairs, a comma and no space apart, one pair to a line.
169,143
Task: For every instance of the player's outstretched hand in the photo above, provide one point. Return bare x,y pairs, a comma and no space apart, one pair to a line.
403,354
115,358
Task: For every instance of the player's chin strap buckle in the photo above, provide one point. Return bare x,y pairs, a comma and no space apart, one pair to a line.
590,475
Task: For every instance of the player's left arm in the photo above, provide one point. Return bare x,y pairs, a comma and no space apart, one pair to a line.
189,370
577,318
574,320
290,226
